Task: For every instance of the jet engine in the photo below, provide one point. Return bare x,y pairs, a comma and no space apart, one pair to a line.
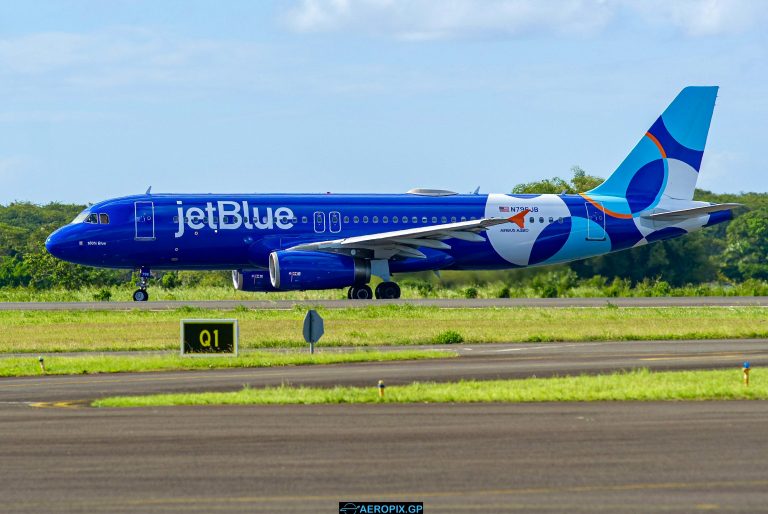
297,270
251,280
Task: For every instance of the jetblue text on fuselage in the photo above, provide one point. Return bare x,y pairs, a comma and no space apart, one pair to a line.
231,215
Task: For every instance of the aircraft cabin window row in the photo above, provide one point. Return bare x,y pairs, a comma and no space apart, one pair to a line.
541,219
104,218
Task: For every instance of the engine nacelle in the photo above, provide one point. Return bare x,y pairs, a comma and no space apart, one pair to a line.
251,280
295,270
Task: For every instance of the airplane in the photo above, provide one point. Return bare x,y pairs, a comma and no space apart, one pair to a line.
286,242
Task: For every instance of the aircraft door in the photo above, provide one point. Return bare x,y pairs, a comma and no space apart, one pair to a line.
319,222
334,222
144,221
595,222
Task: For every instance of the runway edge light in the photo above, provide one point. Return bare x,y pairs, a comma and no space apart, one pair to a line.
745,370
381,387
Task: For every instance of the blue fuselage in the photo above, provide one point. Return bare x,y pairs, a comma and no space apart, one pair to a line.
240,231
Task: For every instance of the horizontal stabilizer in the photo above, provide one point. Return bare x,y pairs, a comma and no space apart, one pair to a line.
690,213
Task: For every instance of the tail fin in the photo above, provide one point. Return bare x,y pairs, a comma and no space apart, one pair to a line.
666,161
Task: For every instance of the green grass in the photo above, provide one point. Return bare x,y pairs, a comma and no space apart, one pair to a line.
71,331
640,385
74,365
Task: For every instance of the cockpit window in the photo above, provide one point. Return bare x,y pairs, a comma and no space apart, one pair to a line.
80,217
92,218
104,218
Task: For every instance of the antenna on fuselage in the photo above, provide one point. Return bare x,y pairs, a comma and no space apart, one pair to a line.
476,191
149,190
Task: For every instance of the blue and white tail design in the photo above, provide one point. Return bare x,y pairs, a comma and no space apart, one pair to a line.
665,163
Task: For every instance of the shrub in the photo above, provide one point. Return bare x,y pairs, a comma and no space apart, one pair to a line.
470,292
504,292
102,295
448,337
170,280
424,289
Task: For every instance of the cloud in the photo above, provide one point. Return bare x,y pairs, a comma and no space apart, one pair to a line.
448,19
702,17
118,57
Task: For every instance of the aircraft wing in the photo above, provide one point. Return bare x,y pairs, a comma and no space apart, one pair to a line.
405,243
690,213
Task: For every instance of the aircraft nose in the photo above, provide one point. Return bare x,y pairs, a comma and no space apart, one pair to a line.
55,244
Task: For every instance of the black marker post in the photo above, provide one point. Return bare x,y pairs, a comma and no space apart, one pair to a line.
313,329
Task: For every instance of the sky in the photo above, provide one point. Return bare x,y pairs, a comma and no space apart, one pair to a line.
104,99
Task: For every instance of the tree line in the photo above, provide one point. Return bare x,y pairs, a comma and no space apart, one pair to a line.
730,252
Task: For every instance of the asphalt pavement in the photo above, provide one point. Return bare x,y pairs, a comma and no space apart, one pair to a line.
592,457
58,455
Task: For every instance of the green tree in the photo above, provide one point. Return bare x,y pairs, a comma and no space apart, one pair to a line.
747,246
580,182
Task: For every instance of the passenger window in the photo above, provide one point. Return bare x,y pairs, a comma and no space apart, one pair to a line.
175,219
365,219
414,220
473,218
463,218
395,219
434,219
346,219
559,220
104,218
551,220
532,219
375,219
92,218
357,219
541,219
453,219
304,219
423,219
385,219
444,219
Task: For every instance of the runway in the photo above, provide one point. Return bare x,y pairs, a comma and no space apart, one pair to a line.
483,362
599,457
700,301
644,456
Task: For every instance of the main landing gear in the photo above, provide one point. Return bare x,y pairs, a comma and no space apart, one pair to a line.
141,294
360,292
385,291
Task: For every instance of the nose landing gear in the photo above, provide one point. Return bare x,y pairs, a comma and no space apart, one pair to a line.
141,294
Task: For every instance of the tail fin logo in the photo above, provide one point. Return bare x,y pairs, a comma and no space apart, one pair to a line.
519,218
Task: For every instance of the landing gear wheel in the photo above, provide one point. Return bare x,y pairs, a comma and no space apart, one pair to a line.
360,293
388,291
141,294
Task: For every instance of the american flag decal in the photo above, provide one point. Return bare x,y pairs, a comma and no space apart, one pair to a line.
503,209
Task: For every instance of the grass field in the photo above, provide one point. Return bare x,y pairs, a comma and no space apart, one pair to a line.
75,365
69,331
641,385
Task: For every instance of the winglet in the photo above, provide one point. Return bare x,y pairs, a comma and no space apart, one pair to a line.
519,218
